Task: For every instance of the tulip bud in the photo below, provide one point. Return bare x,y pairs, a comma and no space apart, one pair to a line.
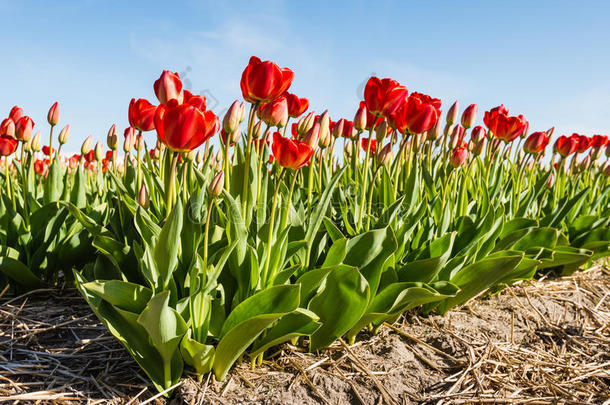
143,198
129,141
216,185
313,135
86,147
457,134
452,114
606,168
140,143
53,115
113,138
550,132
36,141
381,131
305,123
551,181
608,150
338,128
189,156
324,121
385,155
434,133
257,130
27,146
458,157
324,140
360,118
349,147
199,157
99,151
231,120
63,135
160,146
469,116
585,163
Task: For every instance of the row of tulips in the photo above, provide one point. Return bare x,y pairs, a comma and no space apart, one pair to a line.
303,231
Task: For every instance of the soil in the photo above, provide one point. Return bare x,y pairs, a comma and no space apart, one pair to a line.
540,342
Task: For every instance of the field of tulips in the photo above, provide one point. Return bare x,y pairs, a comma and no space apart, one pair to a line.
297,228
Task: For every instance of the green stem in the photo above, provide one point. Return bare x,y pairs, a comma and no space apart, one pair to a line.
244,190
169,193
265,276
365,176
206,232
139,176
368,219
51,144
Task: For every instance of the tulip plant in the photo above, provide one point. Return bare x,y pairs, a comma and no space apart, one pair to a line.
303,231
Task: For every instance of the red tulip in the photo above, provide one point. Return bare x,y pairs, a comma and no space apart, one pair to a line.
89,156
383,96
264,81
141,114
53,114
452,114
584,143
296,106
16,113
47,151
194,100
508,128
41,167
168,87
182,127
73,161
565,146
365,144
459,156
290,153
7,127
360,117
536,142
8,145
417,115
345,128
274,113
599,141
491,116
23,128
469,115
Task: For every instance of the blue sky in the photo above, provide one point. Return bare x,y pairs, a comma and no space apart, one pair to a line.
547,60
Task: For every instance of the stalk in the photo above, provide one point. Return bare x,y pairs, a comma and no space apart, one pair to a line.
365,178
265,275
244,190
169,193
139,176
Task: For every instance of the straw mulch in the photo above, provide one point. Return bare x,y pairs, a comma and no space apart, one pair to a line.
542,342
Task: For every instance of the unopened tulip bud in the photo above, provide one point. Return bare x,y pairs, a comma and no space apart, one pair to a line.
434,133
608,150
113,138
585,163
469,115
452,114
199,157
189,156
99,151
63,135
458,157
216,185
324,121
140,143
27,146
324,140
86,147
313,135
36,141
360,118
385,155
457,134
606,168
551,181
129,141
143,197
381,131
550,132
257,130
338,128
349,147
231,119
305,123
53,115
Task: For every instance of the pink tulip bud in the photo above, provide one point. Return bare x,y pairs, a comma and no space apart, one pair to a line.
338,128
143,197
459,156
457,135
324,121
99,151
305,123
216,185
551,181
360,118
53,115
469,116
435,132
86,147
313,135
258,130
452,114
231,120
606,168
385,155
381,131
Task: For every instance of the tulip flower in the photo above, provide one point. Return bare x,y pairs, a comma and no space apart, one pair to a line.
383,96
459,156
606,168
8,145
141,114
264,81
36,140
434,132
469,116
312,136
418,114
7,128
216,185
296,105
565,146
584,143
63,135
337,130
16,113
168,87
536,142
47,150
290,153
490,117
274,113
457,136
53,114
305,124
113,138
385,154
194,99
41,167
599,141
364,142
182,127
508,128
23,128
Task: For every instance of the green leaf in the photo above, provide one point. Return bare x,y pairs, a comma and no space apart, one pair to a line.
168,245
128,296
197,355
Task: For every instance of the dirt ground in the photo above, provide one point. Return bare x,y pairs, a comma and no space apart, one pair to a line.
541,342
